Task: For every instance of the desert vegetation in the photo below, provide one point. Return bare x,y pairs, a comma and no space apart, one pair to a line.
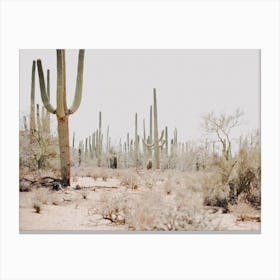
150,182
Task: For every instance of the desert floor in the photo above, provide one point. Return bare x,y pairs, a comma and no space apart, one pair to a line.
117,204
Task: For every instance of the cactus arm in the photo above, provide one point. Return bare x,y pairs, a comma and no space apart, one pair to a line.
48,83
60,85
44,95
162,144
147,144
79,84
64,82
161,136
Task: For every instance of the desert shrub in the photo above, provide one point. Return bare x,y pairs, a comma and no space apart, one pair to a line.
84,194
244,211
214,192
112,206
37,206
129,178
41,153
235,179
25,185
245,181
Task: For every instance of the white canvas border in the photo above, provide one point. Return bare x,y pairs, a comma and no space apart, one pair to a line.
155,24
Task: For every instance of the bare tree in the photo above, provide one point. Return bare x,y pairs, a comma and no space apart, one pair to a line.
222,126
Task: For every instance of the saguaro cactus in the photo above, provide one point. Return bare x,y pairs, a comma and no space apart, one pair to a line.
158,142
166,141
136,142
48,126
32,100
25,123
62,112
99,142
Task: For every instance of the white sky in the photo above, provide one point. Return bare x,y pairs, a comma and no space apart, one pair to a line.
119,83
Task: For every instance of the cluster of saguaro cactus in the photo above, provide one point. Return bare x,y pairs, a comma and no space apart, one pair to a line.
61,111
128,152
92,146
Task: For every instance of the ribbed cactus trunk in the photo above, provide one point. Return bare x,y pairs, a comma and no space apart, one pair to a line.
156,142
63,140
61,111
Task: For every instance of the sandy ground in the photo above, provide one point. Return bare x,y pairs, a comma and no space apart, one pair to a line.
73,209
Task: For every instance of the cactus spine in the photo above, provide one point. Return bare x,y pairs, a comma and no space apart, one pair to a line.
62,112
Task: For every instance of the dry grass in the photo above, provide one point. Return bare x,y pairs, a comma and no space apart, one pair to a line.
244,212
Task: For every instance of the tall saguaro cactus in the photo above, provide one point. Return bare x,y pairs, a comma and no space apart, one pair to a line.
136,142
158,142
32,100
62,112
99,142
48,93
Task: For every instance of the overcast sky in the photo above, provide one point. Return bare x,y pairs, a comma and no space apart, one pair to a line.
119,83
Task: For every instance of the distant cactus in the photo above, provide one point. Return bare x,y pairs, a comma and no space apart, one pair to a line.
150,138
25,123
158,143
86,152
62,112
166,141
99,141
136,142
